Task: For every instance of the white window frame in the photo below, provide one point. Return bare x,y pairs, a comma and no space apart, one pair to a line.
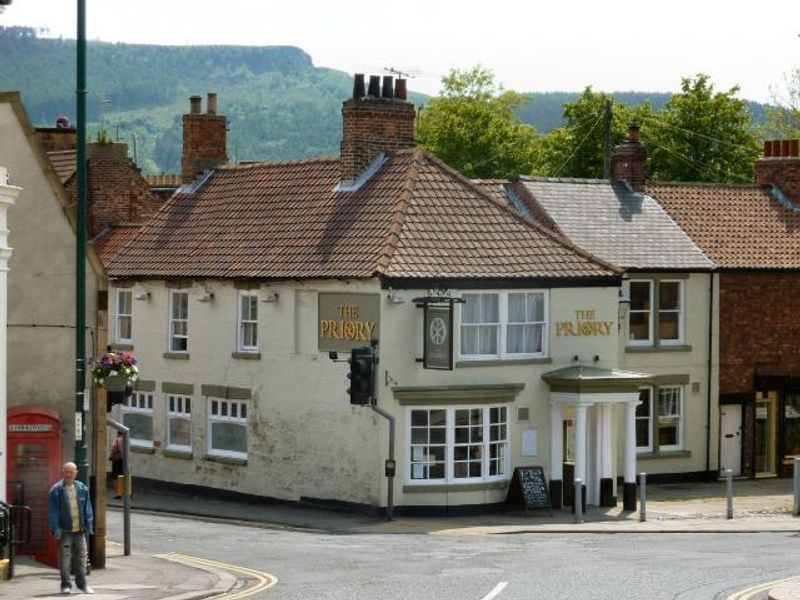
450,445
178,406
681,313
172,321
139,403
677,419
650,311
649,419
120,316
503,298
241,321
240,408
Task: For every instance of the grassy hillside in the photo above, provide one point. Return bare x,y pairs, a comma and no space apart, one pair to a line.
280,105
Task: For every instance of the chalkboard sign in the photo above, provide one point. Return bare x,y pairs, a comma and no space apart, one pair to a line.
528,490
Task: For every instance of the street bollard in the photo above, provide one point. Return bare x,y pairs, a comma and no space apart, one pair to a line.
796,509
579,501
642,497
729,492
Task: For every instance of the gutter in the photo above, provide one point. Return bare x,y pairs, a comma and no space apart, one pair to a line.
710,369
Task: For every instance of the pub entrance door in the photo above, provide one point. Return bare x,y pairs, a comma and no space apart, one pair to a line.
766,433
34,465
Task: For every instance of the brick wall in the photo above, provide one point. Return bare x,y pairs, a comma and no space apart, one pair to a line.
629,159
371,126
759,328
56,139
116,190
782,172
204,144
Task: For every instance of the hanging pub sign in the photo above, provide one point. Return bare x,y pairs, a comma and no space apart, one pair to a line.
347,321
438,351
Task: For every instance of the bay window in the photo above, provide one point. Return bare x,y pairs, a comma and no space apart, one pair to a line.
137,415
179,422
227,428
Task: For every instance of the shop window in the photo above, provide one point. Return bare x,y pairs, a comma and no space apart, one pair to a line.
124,318
656,314
791,425
458,444
179,321
137,415
248,321
503,325
227,425
179,422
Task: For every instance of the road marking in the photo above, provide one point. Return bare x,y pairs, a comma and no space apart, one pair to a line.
752,592
497,589
263,580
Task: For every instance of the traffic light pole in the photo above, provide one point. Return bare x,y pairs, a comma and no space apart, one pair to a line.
390,483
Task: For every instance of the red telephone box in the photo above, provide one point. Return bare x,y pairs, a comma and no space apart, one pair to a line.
34,465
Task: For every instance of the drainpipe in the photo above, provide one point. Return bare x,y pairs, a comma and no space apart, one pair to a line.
710,357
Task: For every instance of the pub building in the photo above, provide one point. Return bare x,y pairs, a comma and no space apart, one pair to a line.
752,234
243,296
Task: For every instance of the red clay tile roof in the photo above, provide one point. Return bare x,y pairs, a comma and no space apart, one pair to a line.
109,244
64,163
415,217
737,226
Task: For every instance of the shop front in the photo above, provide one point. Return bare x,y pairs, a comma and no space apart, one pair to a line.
773,426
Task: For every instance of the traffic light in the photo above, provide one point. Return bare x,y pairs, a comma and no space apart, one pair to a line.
362,385
122,397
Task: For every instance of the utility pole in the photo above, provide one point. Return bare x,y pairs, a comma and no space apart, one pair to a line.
607,140
81,459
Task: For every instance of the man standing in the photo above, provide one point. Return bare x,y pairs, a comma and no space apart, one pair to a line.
71,520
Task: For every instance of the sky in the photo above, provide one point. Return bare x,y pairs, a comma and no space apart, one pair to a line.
530,45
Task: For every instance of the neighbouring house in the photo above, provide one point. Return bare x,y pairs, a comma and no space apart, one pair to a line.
235,292
667,310
752,234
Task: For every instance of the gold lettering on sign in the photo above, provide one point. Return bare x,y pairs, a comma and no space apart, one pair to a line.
347,329
585,324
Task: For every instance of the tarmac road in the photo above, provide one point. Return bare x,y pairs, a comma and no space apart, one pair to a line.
455,566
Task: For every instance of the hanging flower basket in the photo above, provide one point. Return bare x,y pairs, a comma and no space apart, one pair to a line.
114,370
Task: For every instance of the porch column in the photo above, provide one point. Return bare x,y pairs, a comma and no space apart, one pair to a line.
580,449
556,455
607,497
629,490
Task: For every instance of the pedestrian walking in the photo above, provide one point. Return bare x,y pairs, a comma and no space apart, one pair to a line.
71,520
115,456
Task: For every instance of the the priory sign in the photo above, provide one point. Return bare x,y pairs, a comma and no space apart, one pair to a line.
347,321
585,324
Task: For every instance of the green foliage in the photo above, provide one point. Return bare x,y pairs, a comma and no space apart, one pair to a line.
472,126
783,120
701,135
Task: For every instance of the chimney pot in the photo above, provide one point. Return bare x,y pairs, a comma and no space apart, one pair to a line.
211,103
633,132
62,122
794,148
374,86
767,149
195,105
388,87
776,148
400,90
358,86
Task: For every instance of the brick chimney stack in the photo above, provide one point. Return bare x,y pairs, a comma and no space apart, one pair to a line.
781,167
204,138
629,160
382,120
59,138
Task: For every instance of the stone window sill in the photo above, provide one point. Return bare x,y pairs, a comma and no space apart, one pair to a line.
664,455
246,355
125,347
143,449
455,487
544,360
228,460
177,355
650,349
175,453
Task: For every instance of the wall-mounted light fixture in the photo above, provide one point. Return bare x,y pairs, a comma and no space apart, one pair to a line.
142,296
270,297
624,304
206,297
394,297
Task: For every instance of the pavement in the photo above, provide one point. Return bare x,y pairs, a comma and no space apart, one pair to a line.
762,505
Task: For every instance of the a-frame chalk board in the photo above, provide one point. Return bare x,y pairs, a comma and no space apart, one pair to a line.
528,490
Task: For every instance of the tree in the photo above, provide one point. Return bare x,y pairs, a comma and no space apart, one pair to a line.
577,148
783,120
701,135
472,126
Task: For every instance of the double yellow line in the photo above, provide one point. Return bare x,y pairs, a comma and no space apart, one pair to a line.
263,580
756,590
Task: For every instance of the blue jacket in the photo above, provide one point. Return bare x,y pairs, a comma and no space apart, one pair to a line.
58,511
